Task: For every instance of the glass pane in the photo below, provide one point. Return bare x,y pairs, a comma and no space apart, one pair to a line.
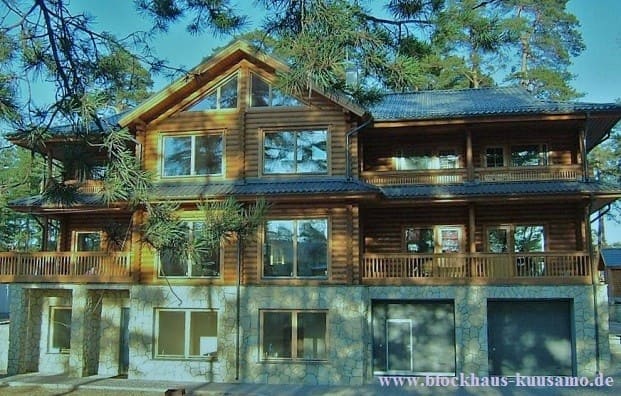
278,259
494,157
419,240
311,335
228,94
312,247
312,154
448,159
88,242
449,240
172,264
61,329
203,333
177,155
279,153
280,99
414,162
277,335
497,240
529,239
171,333
525,155
209,102
260,92
208,155
206,264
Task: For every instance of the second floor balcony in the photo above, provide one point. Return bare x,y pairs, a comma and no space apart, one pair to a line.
74,267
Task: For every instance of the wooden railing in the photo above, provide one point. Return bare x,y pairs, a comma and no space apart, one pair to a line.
430,176
526,173
87,186
65,267
484,268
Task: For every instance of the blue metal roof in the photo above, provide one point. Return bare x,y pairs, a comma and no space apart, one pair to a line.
461,103
611,257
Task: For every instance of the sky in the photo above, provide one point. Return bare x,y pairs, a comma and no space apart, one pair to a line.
597,69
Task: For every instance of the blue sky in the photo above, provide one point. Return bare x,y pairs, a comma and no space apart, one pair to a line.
597,70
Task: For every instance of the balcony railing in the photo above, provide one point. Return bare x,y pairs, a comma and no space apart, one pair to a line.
87,186
459,175
527,173
481,268
87,267
430,176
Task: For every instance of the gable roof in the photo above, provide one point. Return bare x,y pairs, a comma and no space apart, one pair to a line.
210,68
610,257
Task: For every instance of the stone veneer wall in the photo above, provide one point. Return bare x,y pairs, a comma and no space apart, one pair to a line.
346,332
348,337
4,346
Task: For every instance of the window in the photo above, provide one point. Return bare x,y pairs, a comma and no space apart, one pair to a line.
192,155
186,333
87,241
200,264
437,239
296,335
296,248
288,152
265,95
60,330
516,238
494,157
412,159
223,96
529,155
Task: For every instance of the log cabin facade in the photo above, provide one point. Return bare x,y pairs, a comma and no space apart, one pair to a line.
438,232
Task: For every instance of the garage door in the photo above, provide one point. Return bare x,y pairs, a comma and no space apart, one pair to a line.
530,337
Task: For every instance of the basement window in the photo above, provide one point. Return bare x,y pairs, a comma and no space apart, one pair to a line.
186,334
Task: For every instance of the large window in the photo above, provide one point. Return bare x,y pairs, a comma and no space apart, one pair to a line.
529,155
287,152
494,157
413,159
516,238
186,333
296,248
224,96
265,95
60,330
87,241
296,335
197,264
436,239
192,155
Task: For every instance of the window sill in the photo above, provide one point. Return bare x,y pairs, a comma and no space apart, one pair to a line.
191,359
293,361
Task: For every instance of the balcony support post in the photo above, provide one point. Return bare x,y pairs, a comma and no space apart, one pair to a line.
469,156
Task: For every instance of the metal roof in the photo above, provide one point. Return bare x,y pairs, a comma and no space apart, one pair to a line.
475,189
611,257
514,100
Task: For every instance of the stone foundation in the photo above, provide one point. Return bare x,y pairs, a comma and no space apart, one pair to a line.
96,329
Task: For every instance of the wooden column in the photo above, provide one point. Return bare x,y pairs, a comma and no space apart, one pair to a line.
472,246
583,154
469,157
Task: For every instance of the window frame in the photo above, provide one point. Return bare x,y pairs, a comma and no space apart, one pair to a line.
432,157
187,334
295,275
189,262
271,90
218,91
543,154
51,348
296,131
504,156
511,228
437,237
75,237
193,146
294,335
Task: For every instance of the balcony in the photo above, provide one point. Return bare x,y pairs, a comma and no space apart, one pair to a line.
486,175
73,267
529,173
477,268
